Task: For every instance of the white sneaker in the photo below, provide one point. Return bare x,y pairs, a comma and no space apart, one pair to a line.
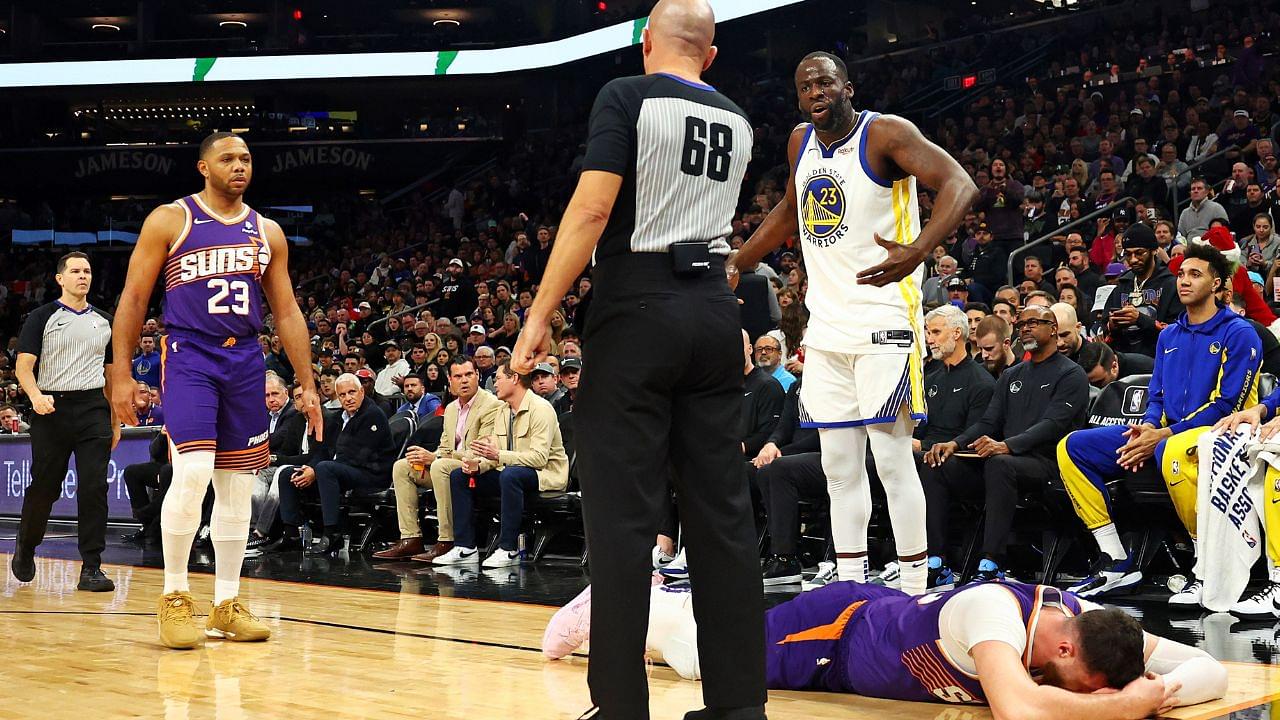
1263,604
1189,596
891,576
458,556
501,558
825,576
660,558
676,571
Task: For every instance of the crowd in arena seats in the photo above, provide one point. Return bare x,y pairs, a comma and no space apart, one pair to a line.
414,308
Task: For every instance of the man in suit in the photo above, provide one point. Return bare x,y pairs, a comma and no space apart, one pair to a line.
288,445
417,400
525,454
468,418
357,453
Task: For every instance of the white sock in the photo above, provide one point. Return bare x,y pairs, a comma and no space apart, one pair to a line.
1109,541
852,568
224,590
177,551
914,576
844,463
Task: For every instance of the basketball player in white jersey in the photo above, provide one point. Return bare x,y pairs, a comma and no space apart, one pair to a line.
853,203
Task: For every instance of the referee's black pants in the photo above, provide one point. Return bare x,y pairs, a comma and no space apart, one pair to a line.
662,379
79,423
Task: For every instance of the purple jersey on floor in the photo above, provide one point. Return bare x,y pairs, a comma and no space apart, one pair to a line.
213,278
880,642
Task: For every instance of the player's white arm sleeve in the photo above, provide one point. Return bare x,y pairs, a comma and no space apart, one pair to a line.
1203,678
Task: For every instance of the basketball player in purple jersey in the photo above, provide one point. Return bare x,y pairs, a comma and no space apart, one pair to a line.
218,257
1028,651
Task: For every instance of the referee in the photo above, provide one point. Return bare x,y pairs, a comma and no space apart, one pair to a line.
662,375
70,340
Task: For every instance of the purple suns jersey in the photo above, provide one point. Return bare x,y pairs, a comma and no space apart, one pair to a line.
213,277
884,643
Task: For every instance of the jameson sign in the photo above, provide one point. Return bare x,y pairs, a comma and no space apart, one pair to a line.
156,168
345,157
152,162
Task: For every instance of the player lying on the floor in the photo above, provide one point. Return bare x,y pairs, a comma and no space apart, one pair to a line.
1029,651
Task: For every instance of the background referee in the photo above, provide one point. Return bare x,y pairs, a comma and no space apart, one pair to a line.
662,375
68,342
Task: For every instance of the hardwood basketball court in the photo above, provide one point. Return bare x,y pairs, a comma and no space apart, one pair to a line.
344,652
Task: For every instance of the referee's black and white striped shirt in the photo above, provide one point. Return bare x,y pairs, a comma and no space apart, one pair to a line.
681,148
71,347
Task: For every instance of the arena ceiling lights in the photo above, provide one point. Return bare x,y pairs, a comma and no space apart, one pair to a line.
352,65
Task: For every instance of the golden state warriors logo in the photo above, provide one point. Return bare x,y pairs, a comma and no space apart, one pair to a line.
822,207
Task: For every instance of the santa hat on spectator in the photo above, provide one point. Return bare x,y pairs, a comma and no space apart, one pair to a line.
1222,240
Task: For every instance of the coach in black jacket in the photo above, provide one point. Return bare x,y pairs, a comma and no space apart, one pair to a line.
357,453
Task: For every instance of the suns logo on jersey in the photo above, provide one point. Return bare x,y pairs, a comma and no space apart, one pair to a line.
822,208
223,261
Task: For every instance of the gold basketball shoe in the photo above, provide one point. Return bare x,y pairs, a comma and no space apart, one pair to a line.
233,621
176,617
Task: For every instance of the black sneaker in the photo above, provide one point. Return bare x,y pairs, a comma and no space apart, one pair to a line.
92,579
941,578
257,541
782,570
138,538
23,564
330,544
284,543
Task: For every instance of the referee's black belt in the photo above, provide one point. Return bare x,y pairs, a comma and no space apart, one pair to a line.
75,394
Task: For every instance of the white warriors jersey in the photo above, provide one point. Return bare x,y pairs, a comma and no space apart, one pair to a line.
843,205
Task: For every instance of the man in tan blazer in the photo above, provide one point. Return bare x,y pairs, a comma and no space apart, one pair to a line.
525,454
468,418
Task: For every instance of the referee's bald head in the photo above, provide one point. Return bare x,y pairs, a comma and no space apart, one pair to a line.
683,29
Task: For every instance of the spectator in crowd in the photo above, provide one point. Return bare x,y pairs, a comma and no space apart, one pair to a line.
467,418
1146,186
1195,218
328,395
11,422
1262,246
356,453
149,414
975,312
1270,343
1033,405
988,265
1000,202
570,373
957,291
486,366
1103,249
524,455
1240,132
146,364
933,290
457,293
289,445
545,381
787,469
1173,171
1099,364
1212,362
417,400
275,360
1145,298
477,337
762,399
388,380
1033,271
768,357
1038,297
1246,292
1087,278
994,346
